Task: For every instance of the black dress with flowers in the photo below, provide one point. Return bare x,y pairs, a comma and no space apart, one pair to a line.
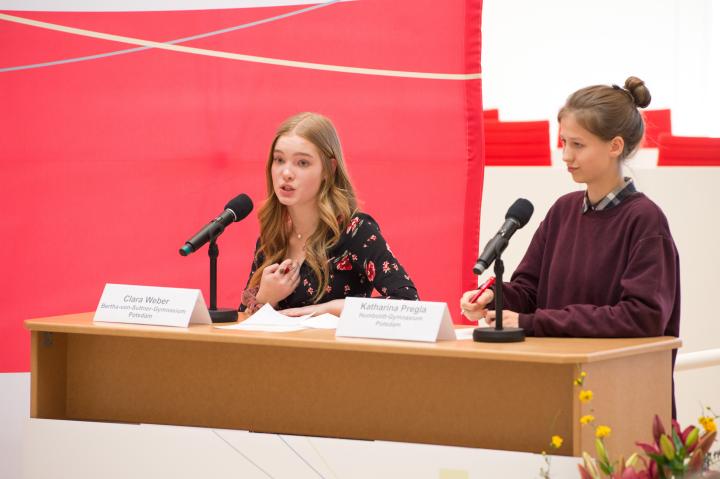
360,262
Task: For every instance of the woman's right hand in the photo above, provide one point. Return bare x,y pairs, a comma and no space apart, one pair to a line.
278,281
477,310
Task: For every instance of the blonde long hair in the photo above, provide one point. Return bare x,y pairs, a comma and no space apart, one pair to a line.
336,202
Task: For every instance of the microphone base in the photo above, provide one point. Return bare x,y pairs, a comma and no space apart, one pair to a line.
223,315
492,335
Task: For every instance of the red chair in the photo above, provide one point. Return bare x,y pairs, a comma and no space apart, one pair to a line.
688,151
491,115
657,122
517,143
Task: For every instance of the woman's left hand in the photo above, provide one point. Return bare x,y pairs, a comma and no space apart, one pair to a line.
333,307
511,319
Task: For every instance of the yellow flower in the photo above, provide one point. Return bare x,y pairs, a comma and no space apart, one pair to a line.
583,374
585,395
587,419
556,442
602,431
708,423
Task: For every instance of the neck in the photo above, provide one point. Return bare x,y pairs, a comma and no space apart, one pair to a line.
598,190
305,219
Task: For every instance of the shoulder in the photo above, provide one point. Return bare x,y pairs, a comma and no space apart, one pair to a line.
645,215
360,222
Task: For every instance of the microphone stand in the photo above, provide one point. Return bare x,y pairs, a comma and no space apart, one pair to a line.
223,315
498,334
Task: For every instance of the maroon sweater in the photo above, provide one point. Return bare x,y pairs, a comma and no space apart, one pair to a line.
602,274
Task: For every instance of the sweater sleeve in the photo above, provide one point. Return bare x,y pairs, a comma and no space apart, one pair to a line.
380,266
648,287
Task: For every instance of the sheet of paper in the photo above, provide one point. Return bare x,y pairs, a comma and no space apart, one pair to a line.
322,321
269,320
268,328
465,333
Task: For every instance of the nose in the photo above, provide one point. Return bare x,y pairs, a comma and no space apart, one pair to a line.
566,155
287,173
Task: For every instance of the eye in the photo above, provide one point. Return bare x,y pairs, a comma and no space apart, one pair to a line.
303,163
278,159
578,145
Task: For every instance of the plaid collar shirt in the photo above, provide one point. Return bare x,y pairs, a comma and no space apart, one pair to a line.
612,199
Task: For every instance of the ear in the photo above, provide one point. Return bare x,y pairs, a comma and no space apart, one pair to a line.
617,145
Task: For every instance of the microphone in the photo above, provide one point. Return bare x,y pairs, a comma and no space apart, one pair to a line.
516,217
236,209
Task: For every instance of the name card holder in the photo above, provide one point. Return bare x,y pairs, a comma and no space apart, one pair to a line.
151,305
395,319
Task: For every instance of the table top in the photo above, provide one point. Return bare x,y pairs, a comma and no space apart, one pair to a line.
541,350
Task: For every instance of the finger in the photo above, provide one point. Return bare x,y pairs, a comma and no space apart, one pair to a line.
285,266
295,273
490,317
467,296
294,312
295,276
271,268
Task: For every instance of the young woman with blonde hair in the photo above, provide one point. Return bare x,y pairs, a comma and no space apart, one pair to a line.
315,247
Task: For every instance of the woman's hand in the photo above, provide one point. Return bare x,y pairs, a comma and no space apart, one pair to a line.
510,319
333,307
477,310
278,281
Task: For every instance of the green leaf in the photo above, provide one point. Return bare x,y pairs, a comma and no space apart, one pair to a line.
692,437
606,468
667,447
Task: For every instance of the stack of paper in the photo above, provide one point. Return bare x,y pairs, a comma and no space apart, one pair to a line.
268,320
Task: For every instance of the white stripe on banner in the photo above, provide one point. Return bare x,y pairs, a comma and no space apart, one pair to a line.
240,56
140,5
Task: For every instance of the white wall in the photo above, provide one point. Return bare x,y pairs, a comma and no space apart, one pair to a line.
537,53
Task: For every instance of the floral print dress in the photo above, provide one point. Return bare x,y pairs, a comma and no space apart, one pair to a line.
360,262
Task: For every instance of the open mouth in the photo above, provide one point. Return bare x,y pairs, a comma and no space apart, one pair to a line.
287,188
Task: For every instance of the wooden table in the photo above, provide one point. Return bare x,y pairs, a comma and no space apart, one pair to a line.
497,396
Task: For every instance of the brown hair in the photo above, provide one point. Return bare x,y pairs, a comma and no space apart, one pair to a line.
336,201
610,111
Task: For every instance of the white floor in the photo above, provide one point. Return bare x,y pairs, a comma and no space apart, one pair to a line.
14,414
77,450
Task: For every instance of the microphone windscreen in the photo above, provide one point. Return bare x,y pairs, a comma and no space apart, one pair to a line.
241,205
521,210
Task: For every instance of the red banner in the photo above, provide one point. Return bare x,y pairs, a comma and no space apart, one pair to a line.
116,148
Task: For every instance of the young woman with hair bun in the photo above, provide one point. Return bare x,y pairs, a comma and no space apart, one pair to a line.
315,246
603,262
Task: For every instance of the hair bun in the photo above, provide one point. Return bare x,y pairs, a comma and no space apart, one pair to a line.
638,90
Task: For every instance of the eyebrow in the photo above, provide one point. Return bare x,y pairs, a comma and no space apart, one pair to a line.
300,153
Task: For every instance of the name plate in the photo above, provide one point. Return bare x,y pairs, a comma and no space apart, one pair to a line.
395,319
151,305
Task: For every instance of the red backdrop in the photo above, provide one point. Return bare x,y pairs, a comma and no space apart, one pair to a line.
109,164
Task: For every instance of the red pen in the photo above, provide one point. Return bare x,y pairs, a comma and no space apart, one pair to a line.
490,281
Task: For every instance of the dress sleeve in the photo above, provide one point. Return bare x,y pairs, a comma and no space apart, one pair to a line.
248,302
380,266
649,285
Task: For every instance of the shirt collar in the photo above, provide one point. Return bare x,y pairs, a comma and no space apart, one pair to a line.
612,199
